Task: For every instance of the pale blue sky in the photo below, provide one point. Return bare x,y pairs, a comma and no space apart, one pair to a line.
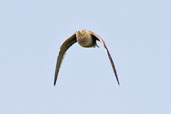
137,33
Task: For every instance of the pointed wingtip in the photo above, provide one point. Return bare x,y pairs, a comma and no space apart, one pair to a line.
119,84
117,80
54,83
55,79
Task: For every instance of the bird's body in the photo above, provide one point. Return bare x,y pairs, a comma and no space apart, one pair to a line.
85,38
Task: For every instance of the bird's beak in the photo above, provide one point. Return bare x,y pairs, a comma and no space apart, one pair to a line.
79,33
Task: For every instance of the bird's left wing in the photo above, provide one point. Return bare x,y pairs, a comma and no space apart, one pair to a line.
65,45
110,58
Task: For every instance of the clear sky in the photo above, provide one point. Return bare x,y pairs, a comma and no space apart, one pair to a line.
137,33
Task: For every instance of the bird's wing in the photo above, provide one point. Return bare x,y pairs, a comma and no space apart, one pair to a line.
110,58
65,45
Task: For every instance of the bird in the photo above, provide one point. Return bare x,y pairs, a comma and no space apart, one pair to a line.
85,38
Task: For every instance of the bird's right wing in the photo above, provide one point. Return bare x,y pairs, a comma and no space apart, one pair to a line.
110,58
65,45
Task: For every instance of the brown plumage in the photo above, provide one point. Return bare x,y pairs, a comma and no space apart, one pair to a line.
85,38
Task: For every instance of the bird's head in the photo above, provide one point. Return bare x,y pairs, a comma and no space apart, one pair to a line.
80,33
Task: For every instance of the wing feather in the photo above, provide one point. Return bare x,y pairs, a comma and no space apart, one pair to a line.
65,45
110,57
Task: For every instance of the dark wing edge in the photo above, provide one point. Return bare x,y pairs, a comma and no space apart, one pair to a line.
65,45
110,57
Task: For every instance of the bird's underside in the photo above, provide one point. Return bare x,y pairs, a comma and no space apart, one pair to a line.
85,38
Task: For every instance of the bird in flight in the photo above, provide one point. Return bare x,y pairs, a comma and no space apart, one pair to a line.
85,38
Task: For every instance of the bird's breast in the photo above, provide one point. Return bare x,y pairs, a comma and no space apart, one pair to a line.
85,41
